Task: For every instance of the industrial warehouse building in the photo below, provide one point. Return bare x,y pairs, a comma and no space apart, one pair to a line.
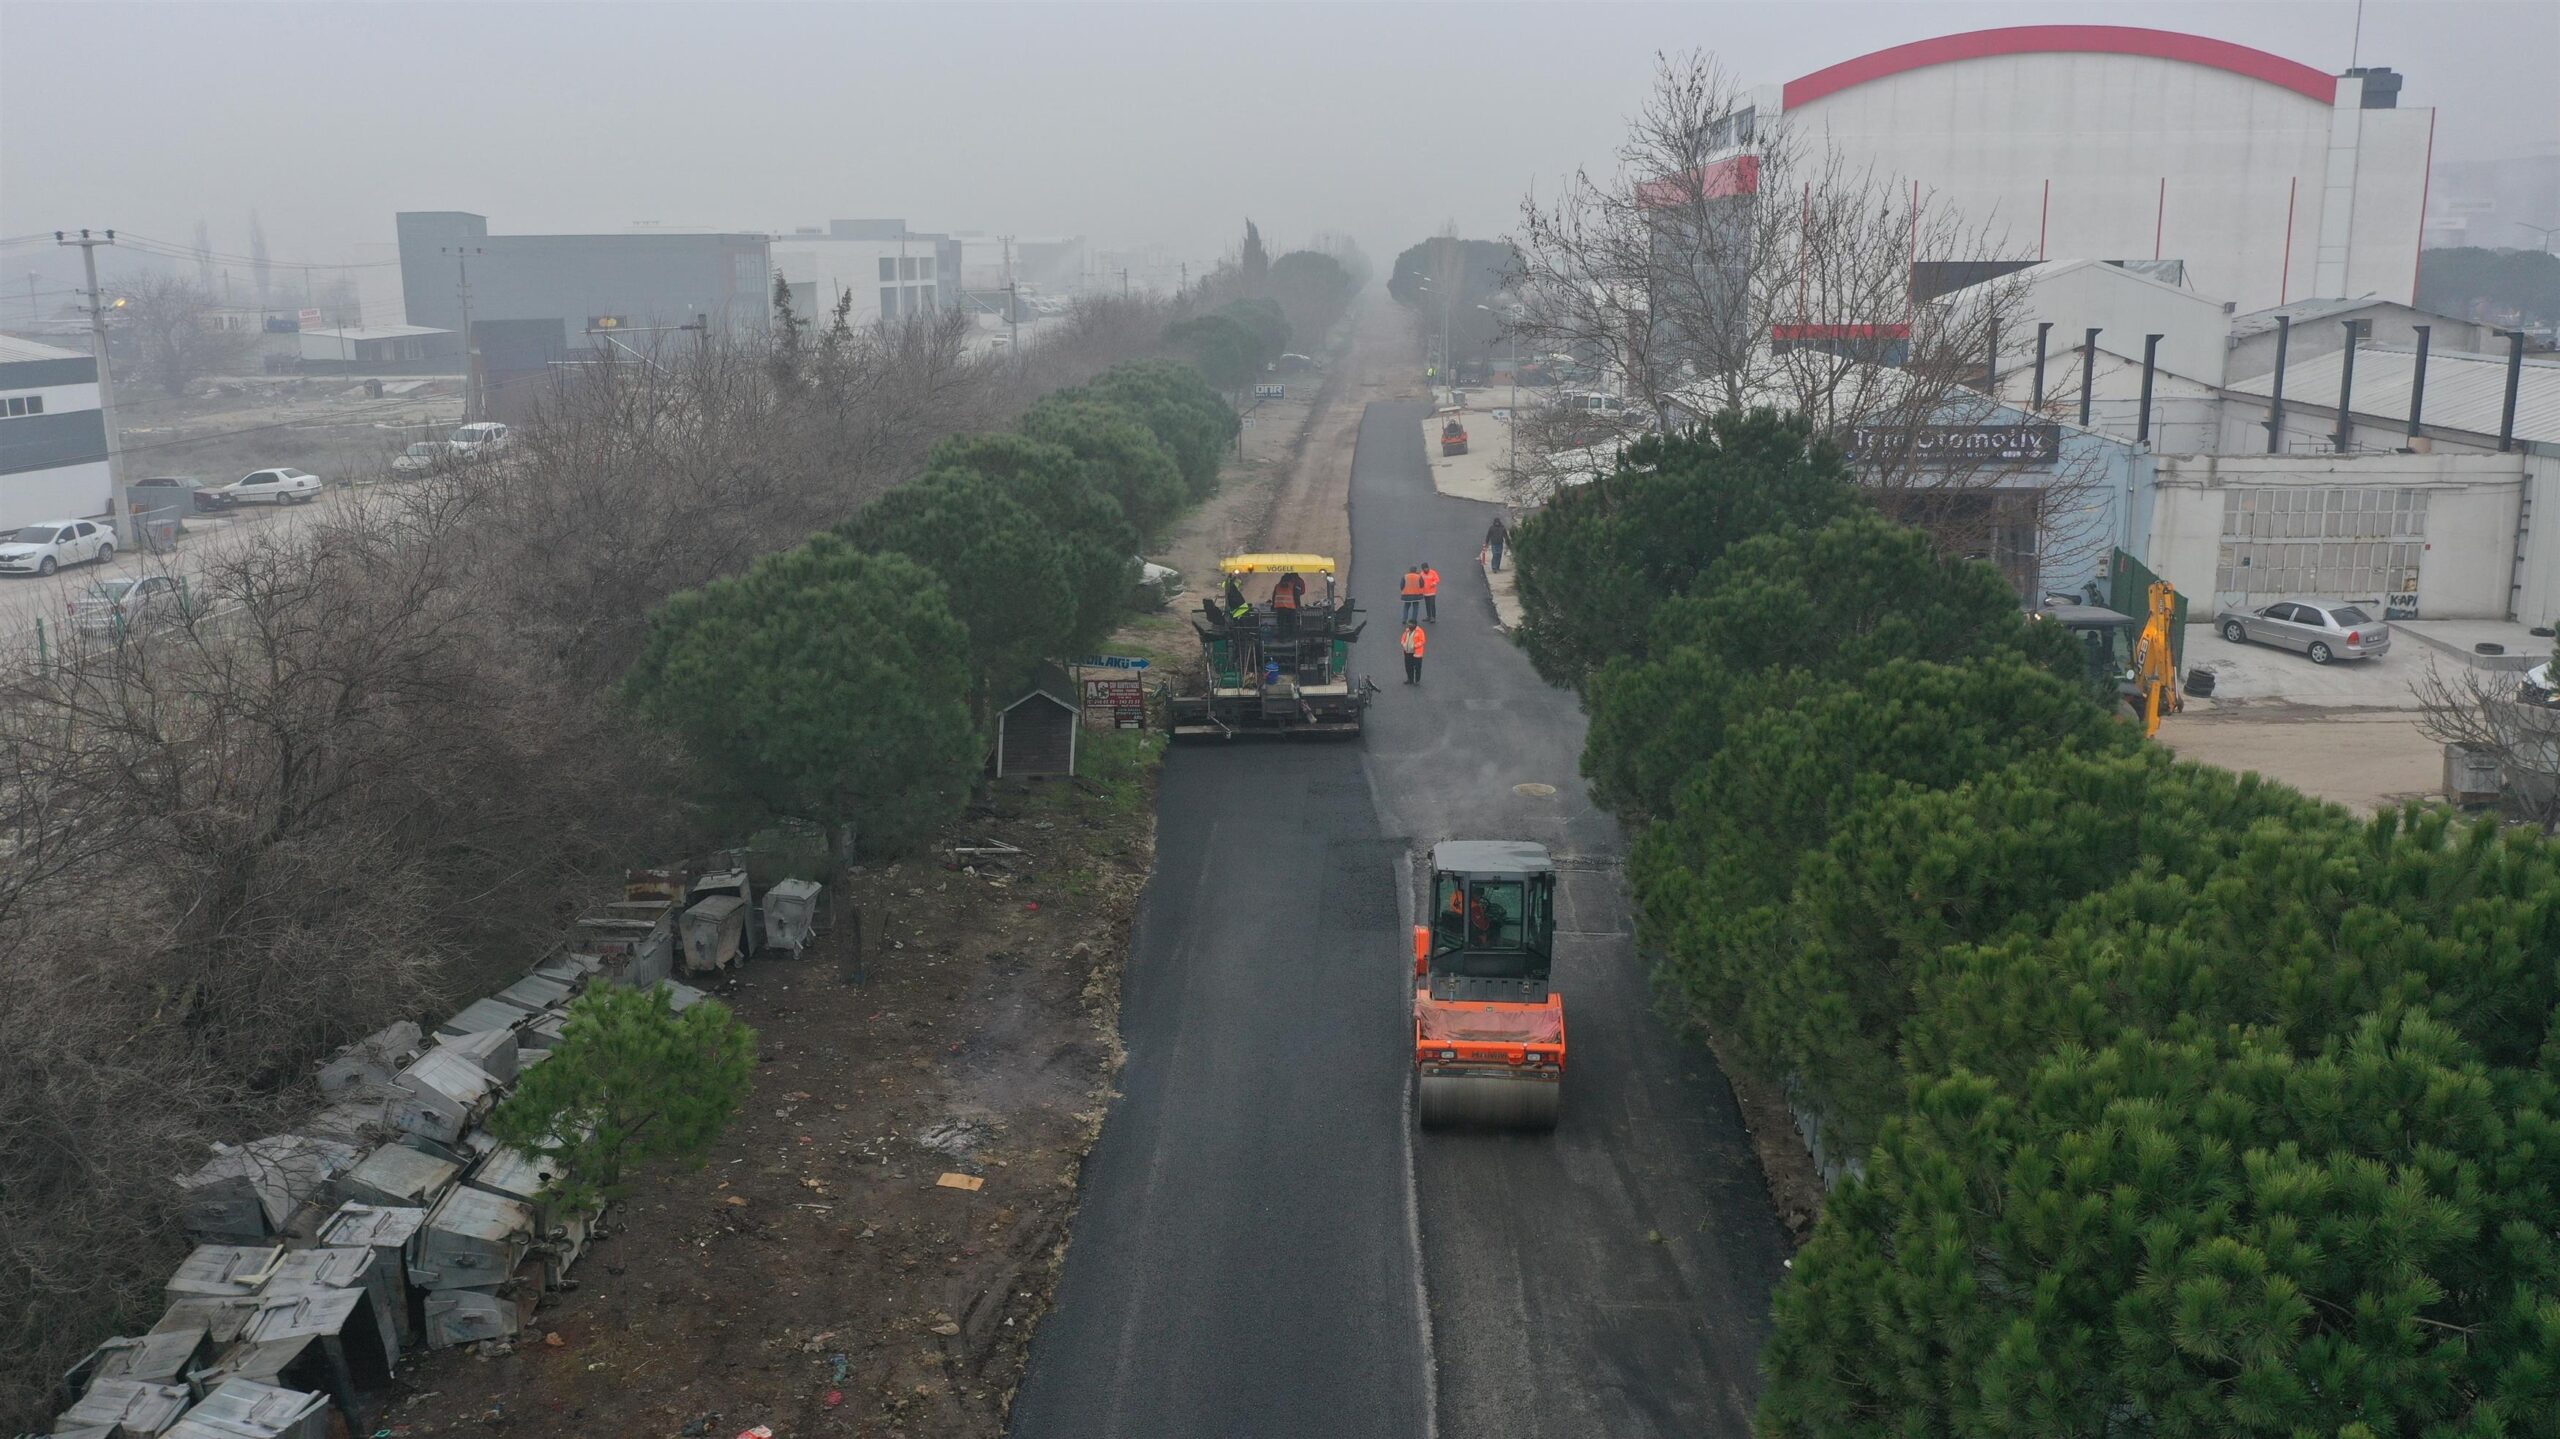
2422,502
537,301
2270,180
53,438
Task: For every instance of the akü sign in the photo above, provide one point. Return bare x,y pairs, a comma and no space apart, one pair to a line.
1958,444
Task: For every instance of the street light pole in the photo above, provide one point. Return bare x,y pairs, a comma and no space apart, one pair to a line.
116,520
462,288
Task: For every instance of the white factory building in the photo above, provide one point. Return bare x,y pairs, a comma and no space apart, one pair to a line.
2422,501
53,438
2270,179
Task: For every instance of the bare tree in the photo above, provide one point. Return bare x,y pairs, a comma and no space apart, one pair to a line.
172,324
2507,717
1726,262
376,759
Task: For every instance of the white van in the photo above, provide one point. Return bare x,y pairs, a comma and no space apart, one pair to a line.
485,437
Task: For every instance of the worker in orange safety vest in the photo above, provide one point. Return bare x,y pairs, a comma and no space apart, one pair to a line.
1413,643
1430,593
1412,593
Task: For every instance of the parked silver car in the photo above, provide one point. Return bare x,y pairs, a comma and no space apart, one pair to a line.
2323,629
114,608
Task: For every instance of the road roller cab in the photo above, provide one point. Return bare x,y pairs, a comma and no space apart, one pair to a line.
1488,1031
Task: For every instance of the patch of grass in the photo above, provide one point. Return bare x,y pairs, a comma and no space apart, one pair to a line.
1112,769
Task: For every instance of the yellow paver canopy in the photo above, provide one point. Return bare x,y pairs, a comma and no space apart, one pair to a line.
1276,564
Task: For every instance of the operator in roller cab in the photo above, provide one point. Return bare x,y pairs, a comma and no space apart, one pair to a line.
1488,1028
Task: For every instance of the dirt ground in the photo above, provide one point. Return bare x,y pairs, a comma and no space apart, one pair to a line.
2344,732
234,425
818,1276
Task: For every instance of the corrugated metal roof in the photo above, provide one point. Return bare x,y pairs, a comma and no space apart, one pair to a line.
13,350
376,332
2466,390
2258,322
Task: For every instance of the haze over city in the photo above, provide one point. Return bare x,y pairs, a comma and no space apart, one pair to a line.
1778,720
1125,123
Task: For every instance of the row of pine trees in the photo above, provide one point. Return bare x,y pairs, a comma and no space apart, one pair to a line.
2155,1100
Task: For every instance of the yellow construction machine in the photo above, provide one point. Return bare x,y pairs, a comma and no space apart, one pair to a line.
2135,662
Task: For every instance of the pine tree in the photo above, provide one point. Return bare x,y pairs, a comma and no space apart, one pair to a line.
1600,558
1255,264
630,1082
2201,1237
1005,574
824,684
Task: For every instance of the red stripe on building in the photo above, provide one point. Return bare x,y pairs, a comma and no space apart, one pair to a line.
2292,75
1739,175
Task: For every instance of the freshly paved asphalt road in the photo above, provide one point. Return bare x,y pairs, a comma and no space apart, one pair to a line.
1243,1261
1611,1278
1246,1259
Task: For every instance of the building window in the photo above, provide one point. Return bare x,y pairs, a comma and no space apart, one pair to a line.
2353,542
888,267
25,405
906,267
924,268
888,302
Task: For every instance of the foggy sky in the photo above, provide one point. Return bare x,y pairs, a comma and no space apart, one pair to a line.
1128,124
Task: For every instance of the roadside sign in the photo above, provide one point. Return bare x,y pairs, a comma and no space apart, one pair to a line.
311,319
1113,662
1271,392
1116,702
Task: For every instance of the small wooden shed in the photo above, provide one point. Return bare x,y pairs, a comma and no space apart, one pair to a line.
1036,732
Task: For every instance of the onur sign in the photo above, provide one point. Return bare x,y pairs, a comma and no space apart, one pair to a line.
1958,444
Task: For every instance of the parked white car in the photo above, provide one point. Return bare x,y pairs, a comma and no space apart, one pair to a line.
42,548
487,437
283,485
421,457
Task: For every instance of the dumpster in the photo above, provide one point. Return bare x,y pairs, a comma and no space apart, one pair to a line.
714,933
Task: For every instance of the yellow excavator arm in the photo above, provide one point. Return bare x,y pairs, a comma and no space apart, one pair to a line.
2155,665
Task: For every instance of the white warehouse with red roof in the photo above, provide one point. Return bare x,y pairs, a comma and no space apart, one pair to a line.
2270,179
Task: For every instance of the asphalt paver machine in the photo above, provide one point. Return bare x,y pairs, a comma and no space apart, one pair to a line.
1276,664
1488,1026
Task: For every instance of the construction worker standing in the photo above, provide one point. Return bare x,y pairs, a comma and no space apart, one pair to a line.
1430,593
1413,642
1412,593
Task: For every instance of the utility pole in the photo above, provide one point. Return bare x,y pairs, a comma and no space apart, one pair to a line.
462,289
1013,322
1124,282
106,381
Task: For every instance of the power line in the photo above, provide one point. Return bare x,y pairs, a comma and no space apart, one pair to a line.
172,250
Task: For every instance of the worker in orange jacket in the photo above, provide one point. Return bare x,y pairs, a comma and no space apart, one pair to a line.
1430,593
1413,643
1412,593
